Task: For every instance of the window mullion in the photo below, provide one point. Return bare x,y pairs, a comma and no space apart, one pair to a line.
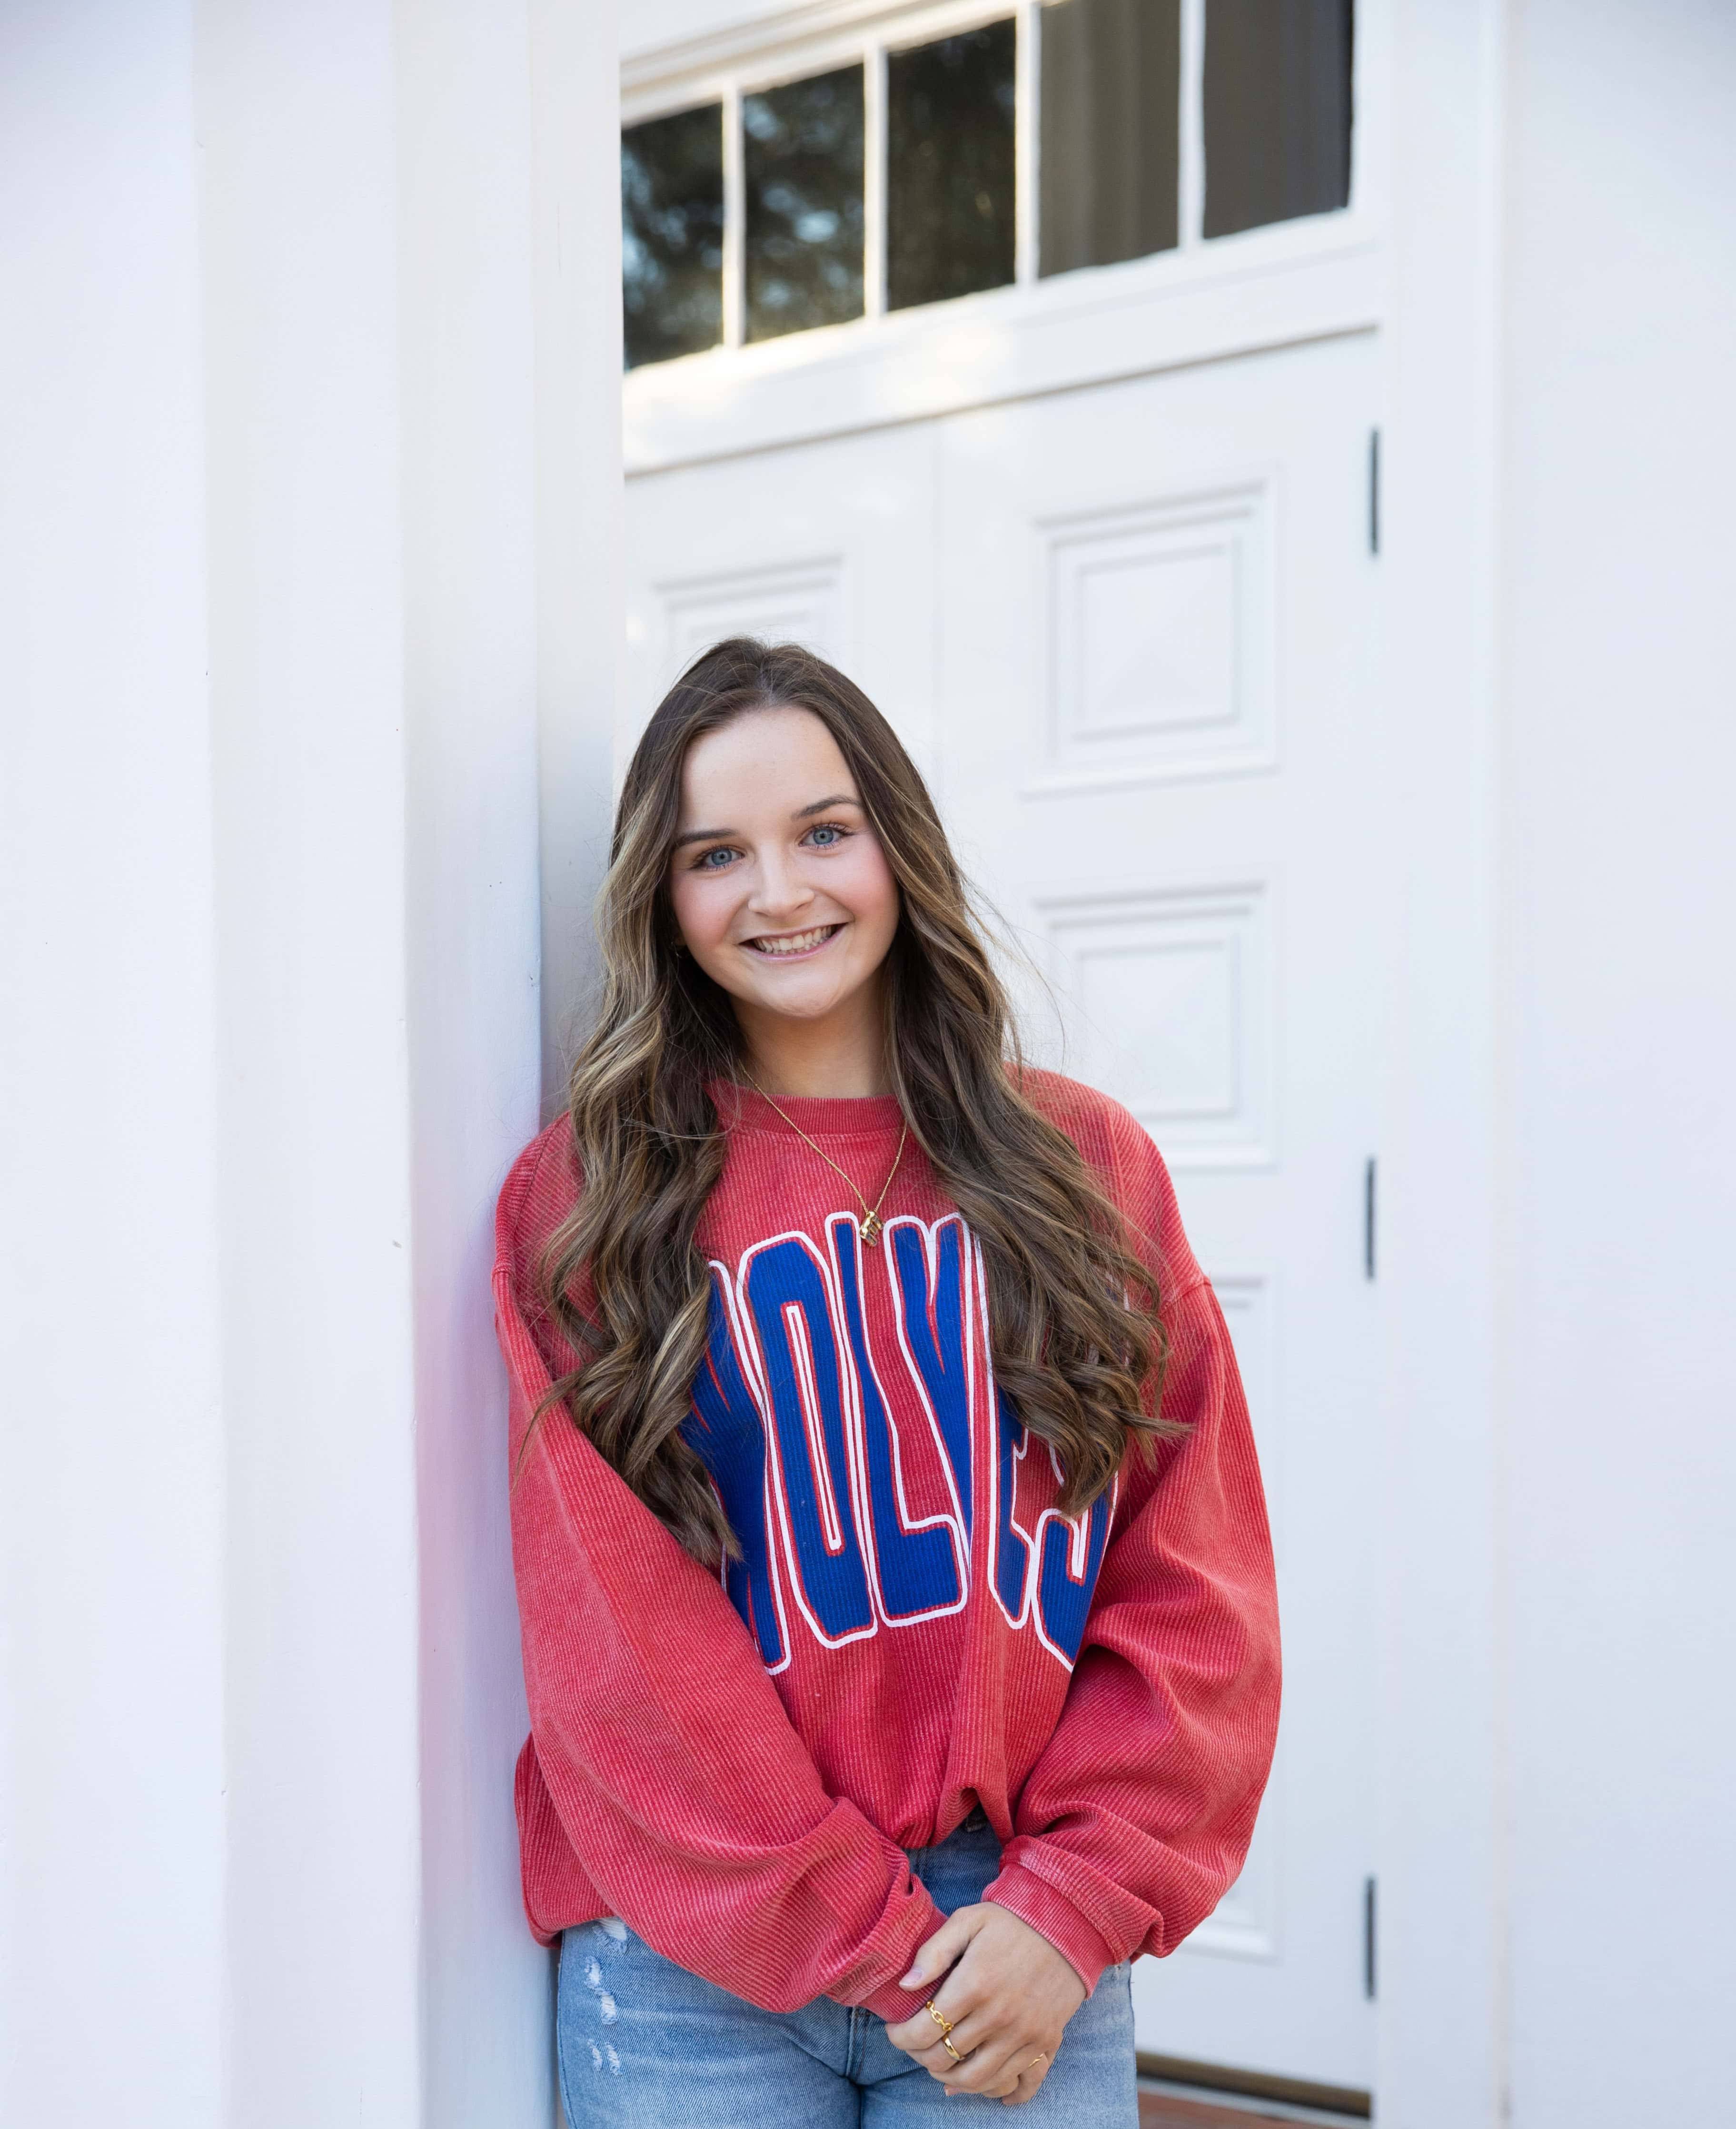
1191,174
1026,134
735,222
874,181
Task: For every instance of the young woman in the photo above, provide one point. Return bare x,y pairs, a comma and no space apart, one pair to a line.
899,1669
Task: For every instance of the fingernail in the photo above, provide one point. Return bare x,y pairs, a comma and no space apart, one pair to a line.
912,1979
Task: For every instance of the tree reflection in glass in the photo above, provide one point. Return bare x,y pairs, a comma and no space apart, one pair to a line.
950,227
672,234
801,160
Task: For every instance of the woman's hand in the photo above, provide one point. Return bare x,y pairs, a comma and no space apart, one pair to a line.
1008,1997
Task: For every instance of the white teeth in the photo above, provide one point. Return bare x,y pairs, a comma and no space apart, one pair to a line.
795,942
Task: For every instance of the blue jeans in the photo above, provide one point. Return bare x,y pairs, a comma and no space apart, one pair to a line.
643,2044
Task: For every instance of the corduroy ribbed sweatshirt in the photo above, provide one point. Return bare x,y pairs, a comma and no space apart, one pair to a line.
735,1764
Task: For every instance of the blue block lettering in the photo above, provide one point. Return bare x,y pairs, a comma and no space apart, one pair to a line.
725,1428
936,1342
1011,1555
917,1571
834,1581
1062,1601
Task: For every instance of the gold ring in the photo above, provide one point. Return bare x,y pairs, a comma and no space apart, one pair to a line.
946,2043
1035,2059
940,2017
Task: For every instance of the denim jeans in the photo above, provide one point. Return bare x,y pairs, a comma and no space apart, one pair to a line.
643,2044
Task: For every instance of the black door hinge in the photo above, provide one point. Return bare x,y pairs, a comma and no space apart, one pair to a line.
1368,1938
1368,1218
1374,491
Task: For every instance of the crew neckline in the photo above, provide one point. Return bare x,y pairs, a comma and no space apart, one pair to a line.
742,1108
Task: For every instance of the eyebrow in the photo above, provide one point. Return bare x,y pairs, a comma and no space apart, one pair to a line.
802,813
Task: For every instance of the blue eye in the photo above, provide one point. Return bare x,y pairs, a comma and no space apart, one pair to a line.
705,864
828,830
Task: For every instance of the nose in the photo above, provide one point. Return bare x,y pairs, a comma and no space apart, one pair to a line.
781,893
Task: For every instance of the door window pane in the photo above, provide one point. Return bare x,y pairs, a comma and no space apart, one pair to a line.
949,167
802,150
1277,110
1111,91
672,234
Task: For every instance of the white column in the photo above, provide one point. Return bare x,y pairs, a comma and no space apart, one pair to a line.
308,541
1618,1258
110,1445
310,641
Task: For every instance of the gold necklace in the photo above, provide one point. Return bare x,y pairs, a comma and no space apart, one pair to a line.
871,1221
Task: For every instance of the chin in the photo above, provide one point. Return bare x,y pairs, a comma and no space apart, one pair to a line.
800,1007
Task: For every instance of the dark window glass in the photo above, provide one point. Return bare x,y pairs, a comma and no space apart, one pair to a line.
949,167
802,147
1277,110
1110,101
672,234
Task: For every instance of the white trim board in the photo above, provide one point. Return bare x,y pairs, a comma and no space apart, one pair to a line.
661,77
1092,328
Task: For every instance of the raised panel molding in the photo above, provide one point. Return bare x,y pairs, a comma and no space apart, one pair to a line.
1159,660
1168,997
1246,1298
1244,1924
800,602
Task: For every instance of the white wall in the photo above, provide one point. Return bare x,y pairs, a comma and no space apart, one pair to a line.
580,505
511,362
1619,1154
287,604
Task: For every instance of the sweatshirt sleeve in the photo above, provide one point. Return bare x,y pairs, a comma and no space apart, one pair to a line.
1136,1815
677,1777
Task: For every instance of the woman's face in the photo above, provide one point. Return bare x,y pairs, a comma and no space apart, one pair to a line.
780,887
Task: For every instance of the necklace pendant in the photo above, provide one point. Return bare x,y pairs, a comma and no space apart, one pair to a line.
871,1230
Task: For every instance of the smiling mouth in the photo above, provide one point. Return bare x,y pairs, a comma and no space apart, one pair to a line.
786,946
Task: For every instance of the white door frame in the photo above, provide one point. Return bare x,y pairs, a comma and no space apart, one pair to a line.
1416,259
1442,1932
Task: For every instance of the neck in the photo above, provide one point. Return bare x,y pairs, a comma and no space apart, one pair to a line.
843,1054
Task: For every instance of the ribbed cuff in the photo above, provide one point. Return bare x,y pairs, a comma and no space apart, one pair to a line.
894,2004
1054,1915
909,1931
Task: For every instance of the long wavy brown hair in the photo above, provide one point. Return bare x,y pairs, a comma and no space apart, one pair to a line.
1072,1312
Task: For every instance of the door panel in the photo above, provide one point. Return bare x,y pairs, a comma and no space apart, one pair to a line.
1157,758
831,544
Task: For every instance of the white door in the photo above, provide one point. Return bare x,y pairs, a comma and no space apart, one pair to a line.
1158,759
1125,630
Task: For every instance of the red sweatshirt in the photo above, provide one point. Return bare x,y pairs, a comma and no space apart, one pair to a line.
735,1764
